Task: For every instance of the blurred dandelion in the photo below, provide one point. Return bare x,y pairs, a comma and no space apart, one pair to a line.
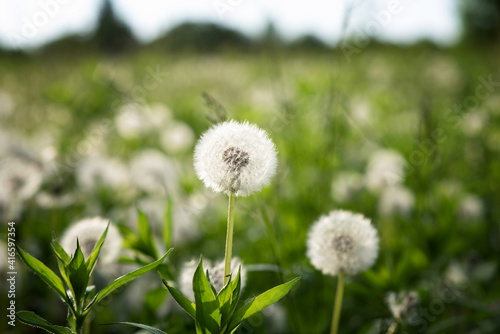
396,200
385,168
177,137
95,173
153,172
88,231
402,306
341,243
470,208
346,185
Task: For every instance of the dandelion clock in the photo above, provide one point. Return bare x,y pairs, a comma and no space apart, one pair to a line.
342,243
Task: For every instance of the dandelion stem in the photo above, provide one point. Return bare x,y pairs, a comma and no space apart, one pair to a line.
229,238
338,304
392,329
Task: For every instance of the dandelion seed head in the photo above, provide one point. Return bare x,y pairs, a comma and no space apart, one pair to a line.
342,241
471,208
235,157
385,169
88,231
396,200
402,305
94,173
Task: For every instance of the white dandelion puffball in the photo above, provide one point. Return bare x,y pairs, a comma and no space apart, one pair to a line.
215,275
396,200
88,231
342,241
386,168
235,157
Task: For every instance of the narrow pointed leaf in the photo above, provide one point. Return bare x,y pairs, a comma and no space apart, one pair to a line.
207,311
228,298
124,280
183,302
60,252
146,236
63,260
145,327
78,276
236,287
260,302
47,275
167,225
92,260
35,320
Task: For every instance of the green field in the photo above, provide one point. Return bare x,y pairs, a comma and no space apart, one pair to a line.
435,112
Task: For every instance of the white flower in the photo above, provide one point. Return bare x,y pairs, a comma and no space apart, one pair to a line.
471,208
177,137
94,173
402,305
235,157
396,200
88,231
385,168
346,185
342,242
215,275
154,173
134,120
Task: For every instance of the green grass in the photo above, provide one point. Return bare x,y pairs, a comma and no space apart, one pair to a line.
307,103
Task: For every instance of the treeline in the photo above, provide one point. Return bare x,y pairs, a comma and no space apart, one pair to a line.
481,21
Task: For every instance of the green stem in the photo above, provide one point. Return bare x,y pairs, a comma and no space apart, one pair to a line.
229,238
338,304
392,329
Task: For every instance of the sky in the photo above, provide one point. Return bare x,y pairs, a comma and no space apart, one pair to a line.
31,23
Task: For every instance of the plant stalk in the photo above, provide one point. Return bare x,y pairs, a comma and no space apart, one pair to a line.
229,238
338,304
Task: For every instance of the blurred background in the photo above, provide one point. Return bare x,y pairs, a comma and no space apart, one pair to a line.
390,108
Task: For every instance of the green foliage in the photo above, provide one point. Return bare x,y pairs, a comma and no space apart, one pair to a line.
216,312
73,287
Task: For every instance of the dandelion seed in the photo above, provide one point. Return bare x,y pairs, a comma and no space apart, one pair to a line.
402,305
234,157
88,231
215,275
342,242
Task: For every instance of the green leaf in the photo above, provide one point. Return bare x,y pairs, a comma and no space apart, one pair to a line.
228,298
262,301
207,310
63,260
78,276
60,252
183,302
145,327
124,280
35,320
167,224
92,260
146,236
47,275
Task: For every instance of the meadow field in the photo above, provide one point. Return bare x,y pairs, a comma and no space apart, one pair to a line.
407,136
